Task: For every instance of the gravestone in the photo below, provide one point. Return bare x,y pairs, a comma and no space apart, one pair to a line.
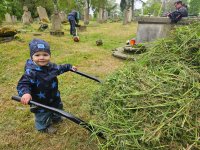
63,17
56,22
152,28
14,19
42,14
149,29
8,18
26,17
56,25
25,8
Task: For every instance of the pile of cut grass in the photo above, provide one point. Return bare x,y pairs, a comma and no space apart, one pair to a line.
154,103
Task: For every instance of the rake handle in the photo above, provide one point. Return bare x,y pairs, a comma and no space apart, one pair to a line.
64,114
86,75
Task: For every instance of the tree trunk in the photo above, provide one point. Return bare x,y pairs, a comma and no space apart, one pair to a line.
125,20
105,15
127,13
86,13
133,9
100,18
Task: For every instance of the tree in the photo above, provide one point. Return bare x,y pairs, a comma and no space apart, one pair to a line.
152,7
12,7
194,7
127,6
98,7
122,5
111,6
2,9
86,11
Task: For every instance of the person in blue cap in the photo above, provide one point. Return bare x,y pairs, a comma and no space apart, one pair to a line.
73,18
40,84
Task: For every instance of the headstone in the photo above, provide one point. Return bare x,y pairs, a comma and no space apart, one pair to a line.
63,17
152,28
14,19
56,22
56,25
25,8
26,17
42,14
8,18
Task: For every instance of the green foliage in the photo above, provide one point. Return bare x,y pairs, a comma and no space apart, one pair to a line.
153,103
194,7
3,11
69,5
12,7
152,7
111,6
96,4
123,5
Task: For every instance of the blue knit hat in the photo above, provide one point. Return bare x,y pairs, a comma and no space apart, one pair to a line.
37,45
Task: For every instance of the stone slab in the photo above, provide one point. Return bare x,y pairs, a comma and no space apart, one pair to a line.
152,28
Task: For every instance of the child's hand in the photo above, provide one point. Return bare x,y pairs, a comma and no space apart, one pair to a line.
25,99
74,68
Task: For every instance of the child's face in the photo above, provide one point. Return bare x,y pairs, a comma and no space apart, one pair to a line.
41,58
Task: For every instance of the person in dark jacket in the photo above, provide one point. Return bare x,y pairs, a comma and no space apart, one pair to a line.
181,11
39,83
73,19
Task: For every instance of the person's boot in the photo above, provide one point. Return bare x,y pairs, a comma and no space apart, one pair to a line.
49,130
57,120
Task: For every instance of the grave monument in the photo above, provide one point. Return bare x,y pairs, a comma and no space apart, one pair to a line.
26,17
56,21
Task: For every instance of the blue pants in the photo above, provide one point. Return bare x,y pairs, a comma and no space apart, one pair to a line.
44,118
72,27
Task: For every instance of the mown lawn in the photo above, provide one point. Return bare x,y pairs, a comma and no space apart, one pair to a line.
17,123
